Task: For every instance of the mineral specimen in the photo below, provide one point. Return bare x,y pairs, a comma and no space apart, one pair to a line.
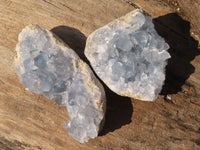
129,56
47,66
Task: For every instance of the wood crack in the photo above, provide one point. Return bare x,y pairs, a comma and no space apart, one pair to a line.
136,6
67,7
51,3
59,7
132,4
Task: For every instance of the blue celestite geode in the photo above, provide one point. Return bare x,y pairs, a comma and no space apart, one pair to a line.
129,56
47,66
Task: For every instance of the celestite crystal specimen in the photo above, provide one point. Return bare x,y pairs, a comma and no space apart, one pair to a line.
47,66
129,56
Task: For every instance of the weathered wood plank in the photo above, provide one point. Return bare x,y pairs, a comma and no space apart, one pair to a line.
29,121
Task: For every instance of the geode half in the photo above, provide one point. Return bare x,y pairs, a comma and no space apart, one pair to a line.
129,56
47,66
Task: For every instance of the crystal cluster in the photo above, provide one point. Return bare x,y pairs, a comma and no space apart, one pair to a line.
47,66
129,56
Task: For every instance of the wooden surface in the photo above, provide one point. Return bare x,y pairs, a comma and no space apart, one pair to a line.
29,121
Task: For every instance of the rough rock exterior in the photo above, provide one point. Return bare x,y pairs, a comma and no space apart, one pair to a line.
129,56
47,66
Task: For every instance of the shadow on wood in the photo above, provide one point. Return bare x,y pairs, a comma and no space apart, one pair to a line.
183,49
119,109
74,38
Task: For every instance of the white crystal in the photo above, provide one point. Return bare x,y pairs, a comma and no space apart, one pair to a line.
47,66
129,56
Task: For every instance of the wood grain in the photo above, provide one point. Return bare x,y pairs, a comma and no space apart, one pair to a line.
29,121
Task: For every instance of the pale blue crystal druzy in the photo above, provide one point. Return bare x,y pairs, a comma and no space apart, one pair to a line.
129,56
